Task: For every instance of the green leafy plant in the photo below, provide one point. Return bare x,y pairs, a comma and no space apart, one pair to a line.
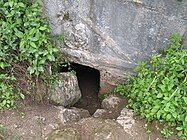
159,90
24,44
6,91
166,132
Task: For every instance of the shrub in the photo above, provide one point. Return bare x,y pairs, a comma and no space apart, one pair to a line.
24,40
159,90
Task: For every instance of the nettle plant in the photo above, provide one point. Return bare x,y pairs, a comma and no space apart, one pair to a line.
159,90
24,38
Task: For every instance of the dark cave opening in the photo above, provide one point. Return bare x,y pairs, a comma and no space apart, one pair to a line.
89,84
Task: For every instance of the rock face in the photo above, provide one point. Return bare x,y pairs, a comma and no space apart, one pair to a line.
112,35
66,92
92,129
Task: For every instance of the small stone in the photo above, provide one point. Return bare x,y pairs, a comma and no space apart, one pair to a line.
114,103
54,126
15,126
73,115
100,113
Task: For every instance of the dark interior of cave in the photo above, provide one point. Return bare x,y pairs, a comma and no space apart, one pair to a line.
89,84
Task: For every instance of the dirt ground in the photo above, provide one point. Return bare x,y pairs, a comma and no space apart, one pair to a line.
29,121
34,121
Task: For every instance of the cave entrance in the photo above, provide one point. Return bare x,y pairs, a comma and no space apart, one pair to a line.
89,84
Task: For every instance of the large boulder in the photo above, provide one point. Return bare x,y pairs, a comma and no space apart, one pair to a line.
66,91
113,35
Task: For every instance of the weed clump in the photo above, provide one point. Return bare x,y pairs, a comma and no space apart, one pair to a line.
26,51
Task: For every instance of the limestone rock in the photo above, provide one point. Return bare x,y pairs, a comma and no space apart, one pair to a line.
104,114
113,35
126,120
72,115
99,113
66,92
111,107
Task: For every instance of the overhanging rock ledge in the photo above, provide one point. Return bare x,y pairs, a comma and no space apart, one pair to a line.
113,35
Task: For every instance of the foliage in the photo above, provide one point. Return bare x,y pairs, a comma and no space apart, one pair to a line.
24,37
159,91
6,91
166,132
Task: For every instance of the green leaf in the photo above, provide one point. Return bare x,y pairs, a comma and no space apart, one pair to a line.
185,119
168,117
163,88
31,70
3,65
160,95
34,39
11,3
40,69
42,28
42,61
21,4
33,44
185,100
179,128
19,34
174,114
